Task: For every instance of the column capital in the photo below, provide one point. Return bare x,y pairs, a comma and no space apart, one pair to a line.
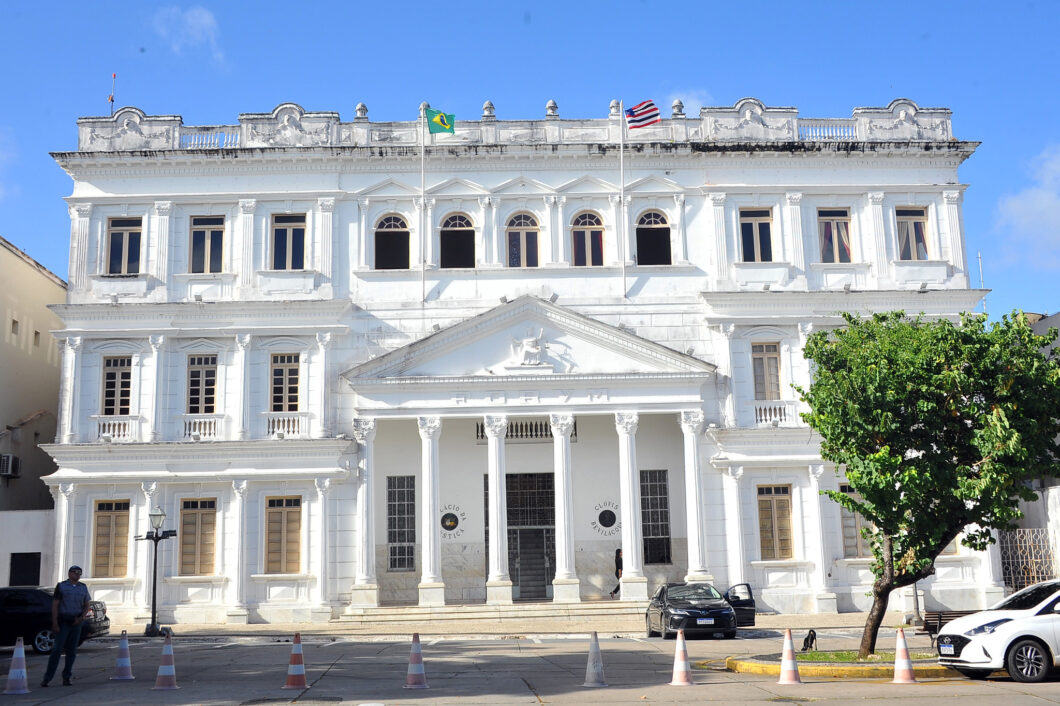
247,206
323,485
364,429
149,489
875,197
562,424
485,202
626,422
163,208
243,340
430,427
952,197
735,472
716,198
67,489
156,341
496,425
679,200
794,198
73,342
323,340
692,421
239,487
613,198
326,204
816,471
81,210
550,200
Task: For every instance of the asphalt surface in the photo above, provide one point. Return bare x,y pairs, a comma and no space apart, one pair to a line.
358,669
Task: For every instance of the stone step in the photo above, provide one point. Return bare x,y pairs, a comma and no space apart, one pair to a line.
522,613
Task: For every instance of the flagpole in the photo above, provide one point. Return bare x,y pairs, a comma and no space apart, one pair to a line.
623,235
423,202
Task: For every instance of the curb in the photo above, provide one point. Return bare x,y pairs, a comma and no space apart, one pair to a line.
757,665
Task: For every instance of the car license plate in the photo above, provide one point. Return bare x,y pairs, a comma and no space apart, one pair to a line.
704,621
945,649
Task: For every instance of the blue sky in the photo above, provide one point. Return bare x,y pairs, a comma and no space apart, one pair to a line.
994,64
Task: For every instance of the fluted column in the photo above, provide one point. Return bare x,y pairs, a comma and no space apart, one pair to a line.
431,587
498,581
323,428
691,428
824,598
486,246
246,242
163,209
879,240
798,246
63,529
679,248
721,266
955,231
365,590
139,565
323,560
326,206
69,389
634,585
243,342
733,523
565,586
237,575
364,237
80,218
158,347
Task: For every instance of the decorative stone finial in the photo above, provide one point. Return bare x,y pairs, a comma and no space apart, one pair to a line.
678,108
362,111
551,109
614,109
487,111
423,109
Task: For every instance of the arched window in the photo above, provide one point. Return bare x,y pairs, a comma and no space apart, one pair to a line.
392,244
653,239
457,242
522,241
587,232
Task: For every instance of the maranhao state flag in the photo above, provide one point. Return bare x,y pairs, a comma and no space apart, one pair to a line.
642,115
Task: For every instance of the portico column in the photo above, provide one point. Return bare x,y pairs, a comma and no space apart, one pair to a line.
62,527
140,559
237,611
734,523
824,598
992,581
432,590
322,611
634,585
565,587
365,590
498,582
692,427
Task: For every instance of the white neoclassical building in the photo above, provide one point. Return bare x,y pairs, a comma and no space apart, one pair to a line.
356,372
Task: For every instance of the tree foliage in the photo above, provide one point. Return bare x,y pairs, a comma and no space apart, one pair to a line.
938,425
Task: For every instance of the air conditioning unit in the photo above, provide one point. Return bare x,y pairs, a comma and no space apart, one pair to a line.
9,465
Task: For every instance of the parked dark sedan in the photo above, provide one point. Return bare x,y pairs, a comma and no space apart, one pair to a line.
699,608
27,613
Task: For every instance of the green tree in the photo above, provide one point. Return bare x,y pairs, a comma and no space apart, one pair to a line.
939,427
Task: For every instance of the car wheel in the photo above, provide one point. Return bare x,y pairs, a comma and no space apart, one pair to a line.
667,634
43,641
647,627
1028,661
975,673
730,634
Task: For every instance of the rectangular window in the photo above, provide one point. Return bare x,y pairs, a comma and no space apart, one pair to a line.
283,530
111,539
198,529
854,544
655,516
765,358
588,247
202,383
207,236
912,233
833,226
755,227
774,521
123,246
522,248
285,382
288,242
117,386
401,523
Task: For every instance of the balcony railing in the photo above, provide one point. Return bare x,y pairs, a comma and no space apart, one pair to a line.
841,129
776,413
287,424
204,427
209,138
119,429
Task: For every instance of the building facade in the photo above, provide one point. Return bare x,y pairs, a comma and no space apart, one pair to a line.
355,371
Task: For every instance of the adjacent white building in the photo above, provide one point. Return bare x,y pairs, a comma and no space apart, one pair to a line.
355,374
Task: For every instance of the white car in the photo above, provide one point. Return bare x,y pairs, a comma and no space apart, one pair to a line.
1021,635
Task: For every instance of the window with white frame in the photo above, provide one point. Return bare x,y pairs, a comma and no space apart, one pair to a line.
207,237
912,233
653,239
117,385
198,531
587,234
110,539
833,227
288,241
392,244
456,242
756,234
283,531
655,516
401,523
765,362
522,239
774,521
854,543
123,246
202,384
284,374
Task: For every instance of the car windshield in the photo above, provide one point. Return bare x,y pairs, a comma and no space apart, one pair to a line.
1028,597
697,592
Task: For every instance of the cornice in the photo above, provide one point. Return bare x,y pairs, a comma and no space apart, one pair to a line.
521,382
737,306
221,317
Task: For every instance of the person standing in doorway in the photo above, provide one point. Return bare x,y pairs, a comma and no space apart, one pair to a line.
618,572
69,607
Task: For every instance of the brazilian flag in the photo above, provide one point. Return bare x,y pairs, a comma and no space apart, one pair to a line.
437,121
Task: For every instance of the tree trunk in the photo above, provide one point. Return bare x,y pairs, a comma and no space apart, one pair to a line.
872,624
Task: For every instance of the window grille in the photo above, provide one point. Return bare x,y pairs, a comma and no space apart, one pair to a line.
525,431
401,523
655,516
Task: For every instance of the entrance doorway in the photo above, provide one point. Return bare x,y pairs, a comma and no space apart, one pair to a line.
531,500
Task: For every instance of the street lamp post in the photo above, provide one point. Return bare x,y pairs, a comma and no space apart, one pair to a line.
156,535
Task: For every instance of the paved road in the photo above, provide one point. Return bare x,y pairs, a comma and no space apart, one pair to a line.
531,670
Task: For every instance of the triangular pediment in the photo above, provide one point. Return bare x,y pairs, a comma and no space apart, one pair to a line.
653,185
523,185
588,185
389,187
457,187
525,339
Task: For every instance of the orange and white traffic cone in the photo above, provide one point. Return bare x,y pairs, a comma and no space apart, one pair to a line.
682,669
594,668
789,668
903,666
296,667
167,670
123,668
416,678
17,679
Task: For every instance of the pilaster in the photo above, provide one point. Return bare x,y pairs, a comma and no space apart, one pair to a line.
163,209
158,348
798,246
322,611
824,599
246,244
243,343
237,613
326,207
80,218
721,265
879,237
955,229
69,390
323,427
363,235
679,247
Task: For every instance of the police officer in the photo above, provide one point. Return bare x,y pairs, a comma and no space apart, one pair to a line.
69,607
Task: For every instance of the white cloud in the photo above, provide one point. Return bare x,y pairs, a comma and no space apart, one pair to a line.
693,98
191,28
1030,219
